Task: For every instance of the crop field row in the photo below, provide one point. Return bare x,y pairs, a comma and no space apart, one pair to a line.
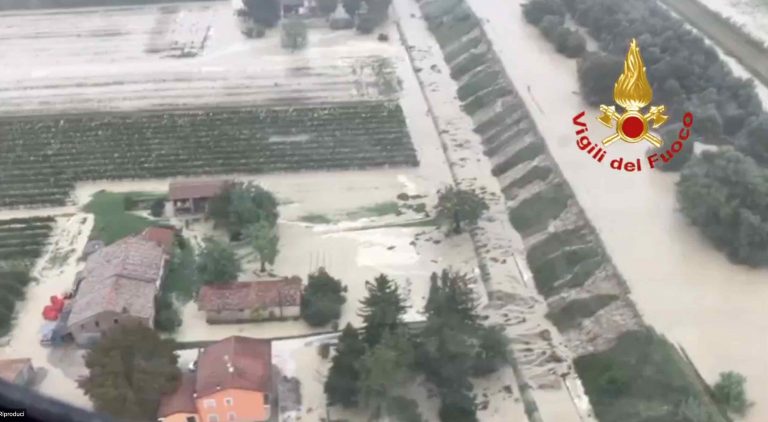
42,158
24,238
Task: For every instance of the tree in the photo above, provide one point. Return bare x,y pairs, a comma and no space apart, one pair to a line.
570,43
401,409
263,12
167,317
157,208
725,194
351,6
550,25
459,207
293,34
241,205
536,10
129,371
326,7
729,392
322,299
342,385
217,263
669,135
264,240
382,309
754,141
492,352
454,345
385,369
597,75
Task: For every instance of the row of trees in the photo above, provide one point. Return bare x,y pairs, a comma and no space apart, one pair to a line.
720,192
266,13
685,72
247,210
373,365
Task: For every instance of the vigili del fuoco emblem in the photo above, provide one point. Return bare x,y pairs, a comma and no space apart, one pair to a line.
633,92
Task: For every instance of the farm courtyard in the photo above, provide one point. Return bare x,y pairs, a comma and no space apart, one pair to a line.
100,99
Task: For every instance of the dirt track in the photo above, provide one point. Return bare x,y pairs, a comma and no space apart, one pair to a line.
731,39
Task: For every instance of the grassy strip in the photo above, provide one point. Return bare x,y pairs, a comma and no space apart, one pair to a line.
375,210
111,220
642,378
315,219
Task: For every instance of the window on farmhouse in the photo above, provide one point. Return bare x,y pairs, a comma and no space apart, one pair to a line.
266,399
97,324
229,401
213,418
191,419
210,403
115,320
231,416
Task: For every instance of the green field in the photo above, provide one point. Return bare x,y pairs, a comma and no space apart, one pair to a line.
42,157
112,221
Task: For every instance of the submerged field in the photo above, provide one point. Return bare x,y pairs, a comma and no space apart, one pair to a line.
42,158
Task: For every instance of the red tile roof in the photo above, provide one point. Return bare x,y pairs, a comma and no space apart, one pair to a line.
162,236
235,362
10,368
180,401
251,294
193,189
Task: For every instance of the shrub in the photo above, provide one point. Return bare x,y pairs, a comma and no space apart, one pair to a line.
157,208
322,299
729,391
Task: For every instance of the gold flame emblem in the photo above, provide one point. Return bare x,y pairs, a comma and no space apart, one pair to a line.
633,92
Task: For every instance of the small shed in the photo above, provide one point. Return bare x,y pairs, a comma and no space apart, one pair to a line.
191,196
17,371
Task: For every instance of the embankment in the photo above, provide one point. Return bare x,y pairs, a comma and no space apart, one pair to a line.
630,372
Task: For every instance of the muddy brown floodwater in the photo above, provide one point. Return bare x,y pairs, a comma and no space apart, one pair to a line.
683,286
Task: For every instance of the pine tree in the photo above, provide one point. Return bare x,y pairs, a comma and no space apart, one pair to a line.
342,385
382,309
385,369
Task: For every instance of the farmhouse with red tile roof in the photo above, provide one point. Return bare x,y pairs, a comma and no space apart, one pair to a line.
232,382
118,287
251,301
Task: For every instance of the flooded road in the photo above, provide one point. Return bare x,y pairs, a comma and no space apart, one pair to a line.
683,286
55,273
